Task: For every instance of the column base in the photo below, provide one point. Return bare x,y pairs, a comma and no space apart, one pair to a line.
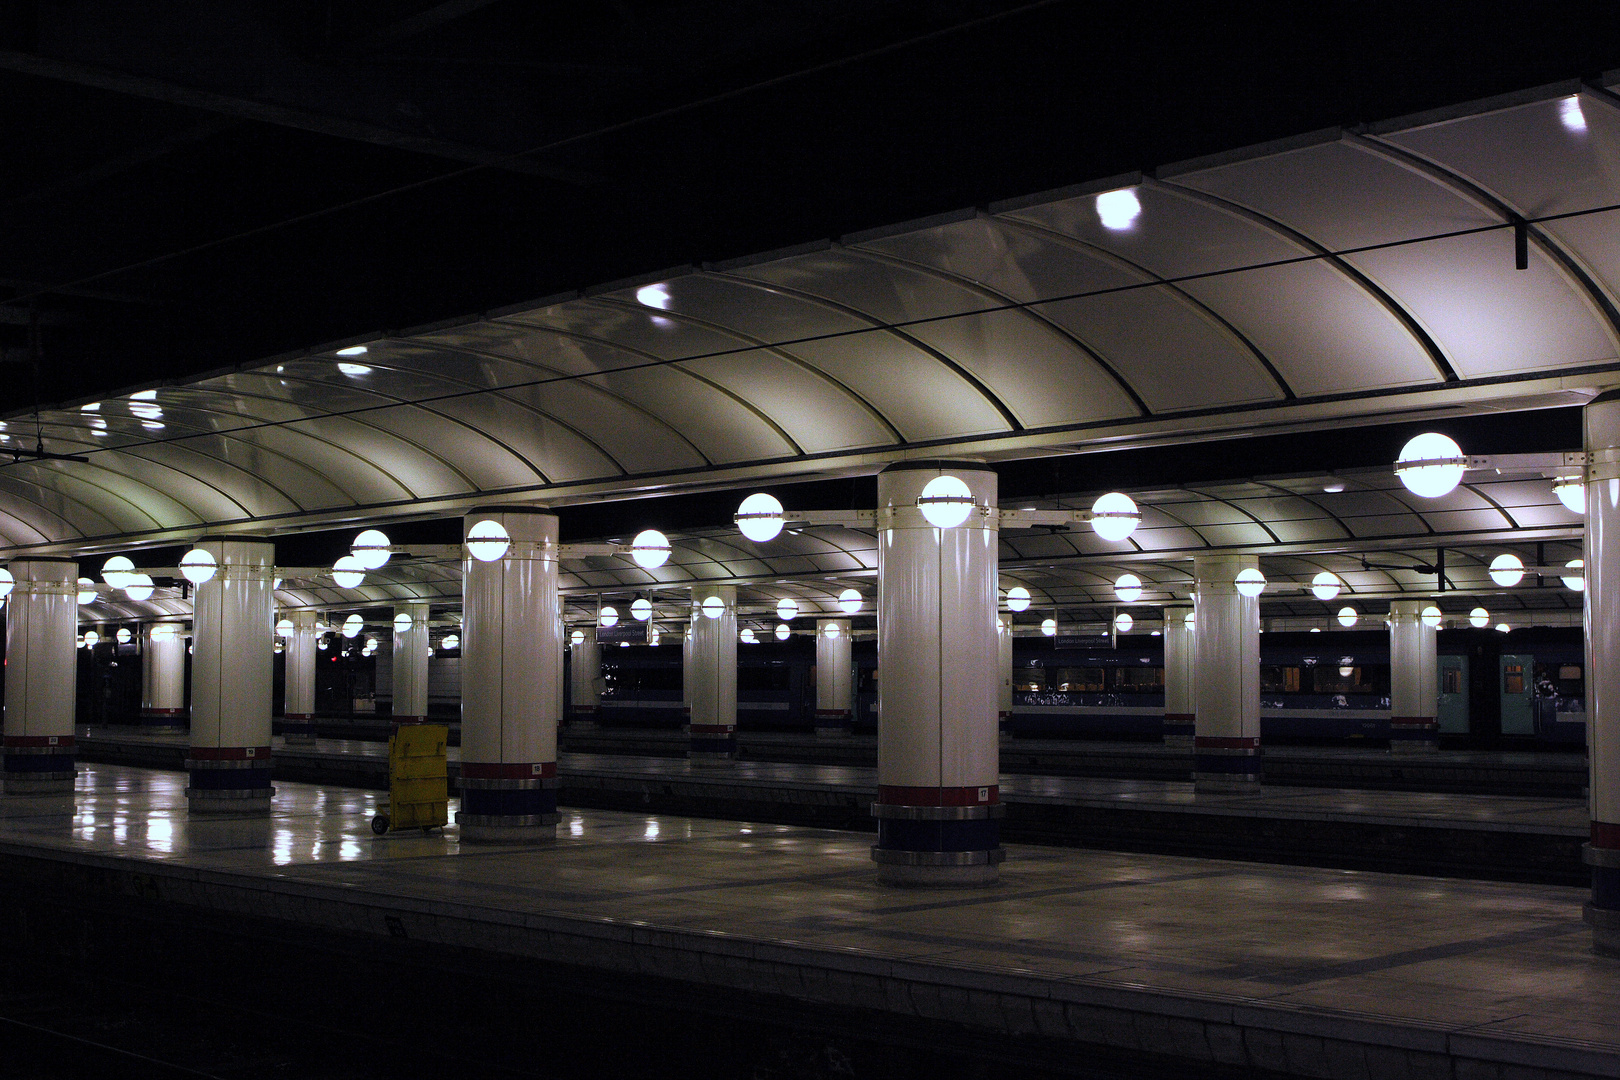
833,723
712,742
1179,742
57,783
229,780
1413,734
939,869
1605,926
227,802
583,720
1179,729
40,764
162,721
1226,763
506,828
1004,723
298,729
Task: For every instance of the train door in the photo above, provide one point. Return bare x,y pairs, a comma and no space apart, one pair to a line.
1518,691
1453,710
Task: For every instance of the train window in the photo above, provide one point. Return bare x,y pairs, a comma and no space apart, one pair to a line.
1451,681
1029,680
1568,672
1277,679
661,678
1141,680
1512,678
1084,680
1333,680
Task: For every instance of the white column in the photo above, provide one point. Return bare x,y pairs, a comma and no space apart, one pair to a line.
1180,644
834,713
511,674
686,679
714,673
1226,742
1602,616
232,668
585,678
1414,693
163,676
938,752
410,674
298,696
42,619
1004,661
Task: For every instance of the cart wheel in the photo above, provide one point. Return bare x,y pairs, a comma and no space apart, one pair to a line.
379,824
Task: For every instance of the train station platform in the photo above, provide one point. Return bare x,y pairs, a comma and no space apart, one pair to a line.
1511,838
1215,968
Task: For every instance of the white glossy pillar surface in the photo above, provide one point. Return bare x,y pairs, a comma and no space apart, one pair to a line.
1226,740
410,674
1180,644
686,678
1004,664
938,751
1602,616
42,619
298,667
232,670
585,678
714,675
1414,693
163,676
511,678
834,692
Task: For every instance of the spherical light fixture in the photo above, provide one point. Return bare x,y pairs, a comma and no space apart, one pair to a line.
352,626
1479,618
1431,465
1250,582
1502,628
371,548
831,630
138,586
641,609
1017,598
402,622
91,639
747,636
321,644
7,582
1348,617
1575,582
1326,585
1507,570
79,641
650,549
165,631
1431,616
123,637
1118,209
945,501
1190,620
116,570
284,628
198,566
348,572
787,610
487,540
783,631
577,637
713,607
760,517
608,616
1123,623
1572,493
87,591
1049,627
1128,588
849,602
1114,516
451,641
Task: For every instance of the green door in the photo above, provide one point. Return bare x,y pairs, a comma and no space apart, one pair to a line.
1518,716
1453,712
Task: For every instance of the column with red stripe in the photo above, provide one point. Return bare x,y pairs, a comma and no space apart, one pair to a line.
232,668
298,703
938,752
1226,740
584,678
42,618
713,729
511,675
1180,635
163,677
1602,557
1414,702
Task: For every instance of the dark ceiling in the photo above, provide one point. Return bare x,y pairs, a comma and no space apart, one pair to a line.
186,186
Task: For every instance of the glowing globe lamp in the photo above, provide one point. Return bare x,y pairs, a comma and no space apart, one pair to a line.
713,607
1017,598
198,566
1049,627
1114,516
1128,588
608,616
138,586
487,540
747,636
1348,617
831,630
371,548
783,631
650,549
946,502
7,582
87,591
1123,623
1507,570
849,602
348,572
1431,616
641,609
1479,618
353,625
1575,582
1325,586
760,517
1572,493
576,637
402,623
1250,582
1431,465
787,610
91,638
116,570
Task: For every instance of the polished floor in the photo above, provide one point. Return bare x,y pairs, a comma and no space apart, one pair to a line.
1537,814
1490,959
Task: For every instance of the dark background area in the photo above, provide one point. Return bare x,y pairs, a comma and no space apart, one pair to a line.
188,186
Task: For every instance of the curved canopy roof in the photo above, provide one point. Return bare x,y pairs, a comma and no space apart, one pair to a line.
1346,274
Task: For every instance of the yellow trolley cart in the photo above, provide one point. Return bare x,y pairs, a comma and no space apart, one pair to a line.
418,779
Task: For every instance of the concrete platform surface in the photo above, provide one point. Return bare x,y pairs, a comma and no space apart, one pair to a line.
1304,971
